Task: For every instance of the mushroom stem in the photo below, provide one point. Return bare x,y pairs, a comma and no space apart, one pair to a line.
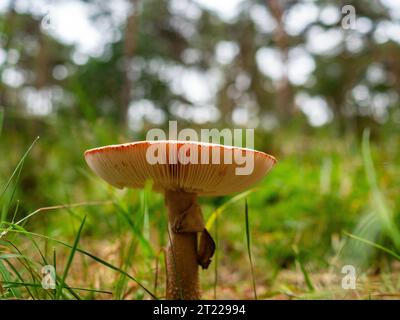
182,256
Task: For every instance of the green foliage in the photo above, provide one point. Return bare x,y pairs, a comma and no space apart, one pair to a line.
70,259
304,203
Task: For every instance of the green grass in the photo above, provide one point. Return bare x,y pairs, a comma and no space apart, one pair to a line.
278,240
69,261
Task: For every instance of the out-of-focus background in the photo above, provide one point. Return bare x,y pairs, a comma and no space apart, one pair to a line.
318,80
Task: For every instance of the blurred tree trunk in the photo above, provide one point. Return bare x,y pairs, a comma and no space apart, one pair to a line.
284,97
8,27
129,50
42,61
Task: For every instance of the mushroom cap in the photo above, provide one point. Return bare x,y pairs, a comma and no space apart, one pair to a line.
208,172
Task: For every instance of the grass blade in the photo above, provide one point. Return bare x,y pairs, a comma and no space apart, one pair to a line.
25,263
17,168
122,282
300,263
7,203
6,276
86,253
249,248
223,207
373,244
157,271
216,256
378,200
146,219
63,206
145,244
70,258
11,266
12,284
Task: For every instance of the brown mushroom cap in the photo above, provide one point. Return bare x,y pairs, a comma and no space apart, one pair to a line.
126,165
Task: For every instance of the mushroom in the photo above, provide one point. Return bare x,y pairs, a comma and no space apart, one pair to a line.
211,171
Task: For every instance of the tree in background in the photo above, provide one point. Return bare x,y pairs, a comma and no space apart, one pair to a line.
253,65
